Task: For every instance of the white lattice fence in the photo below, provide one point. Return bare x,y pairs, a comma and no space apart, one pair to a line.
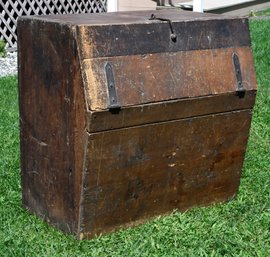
10,10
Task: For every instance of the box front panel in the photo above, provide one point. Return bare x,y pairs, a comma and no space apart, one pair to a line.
136,173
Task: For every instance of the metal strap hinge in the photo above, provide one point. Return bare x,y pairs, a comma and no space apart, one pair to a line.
240,90
113,101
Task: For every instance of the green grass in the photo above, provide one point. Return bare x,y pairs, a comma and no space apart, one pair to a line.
238,228
3,51
265,12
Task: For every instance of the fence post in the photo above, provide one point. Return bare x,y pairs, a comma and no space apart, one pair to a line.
112,5
198,5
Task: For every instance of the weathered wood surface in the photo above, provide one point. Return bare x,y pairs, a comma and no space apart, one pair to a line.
52,121
131,33
137,173
122,40
159,77
177,142
129,18
168,110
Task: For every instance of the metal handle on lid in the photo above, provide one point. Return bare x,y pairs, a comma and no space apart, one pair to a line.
173,35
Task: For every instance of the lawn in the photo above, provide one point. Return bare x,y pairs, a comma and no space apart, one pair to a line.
265,12
238,228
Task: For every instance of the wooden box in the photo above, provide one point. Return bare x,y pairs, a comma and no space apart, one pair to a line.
125,116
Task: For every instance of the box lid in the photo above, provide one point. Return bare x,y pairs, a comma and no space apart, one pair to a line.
136,54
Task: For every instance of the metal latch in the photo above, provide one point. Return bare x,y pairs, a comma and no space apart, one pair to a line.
240,91
173,35
111,88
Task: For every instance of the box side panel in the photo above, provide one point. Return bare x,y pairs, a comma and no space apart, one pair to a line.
52,118
137,173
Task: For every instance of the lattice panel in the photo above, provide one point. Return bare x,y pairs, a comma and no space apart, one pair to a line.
10,10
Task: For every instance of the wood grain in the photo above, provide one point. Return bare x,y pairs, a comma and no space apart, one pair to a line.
168,110
194,32
52,121
166,76
140,172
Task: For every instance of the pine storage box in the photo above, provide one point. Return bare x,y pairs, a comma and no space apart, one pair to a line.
125,116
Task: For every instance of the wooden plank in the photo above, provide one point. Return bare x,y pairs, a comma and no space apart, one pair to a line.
168,110
137,173
166,76
154,36
52,122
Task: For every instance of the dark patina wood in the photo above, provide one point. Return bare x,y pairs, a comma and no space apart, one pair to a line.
168,110
52,121
120,123
166,76
197,162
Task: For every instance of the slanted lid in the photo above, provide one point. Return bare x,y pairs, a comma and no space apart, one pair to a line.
131,58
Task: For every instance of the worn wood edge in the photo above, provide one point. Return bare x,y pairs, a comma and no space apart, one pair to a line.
171,121
44,218
87,101
148,219
82,182
85,19
94,116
